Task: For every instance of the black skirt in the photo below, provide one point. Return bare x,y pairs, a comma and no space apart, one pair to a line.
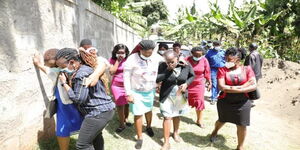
234,108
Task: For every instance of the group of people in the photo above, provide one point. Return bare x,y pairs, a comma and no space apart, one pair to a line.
83,94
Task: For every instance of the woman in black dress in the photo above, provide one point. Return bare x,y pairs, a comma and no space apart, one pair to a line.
235,81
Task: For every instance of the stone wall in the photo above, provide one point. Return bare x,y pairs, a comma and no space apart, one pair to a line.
28,26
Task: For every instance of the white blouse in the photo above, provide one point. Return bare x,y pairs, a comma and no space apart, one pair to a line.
140,75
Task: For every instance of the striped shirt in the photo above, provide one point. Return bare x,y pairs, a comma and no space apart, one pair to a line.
91,101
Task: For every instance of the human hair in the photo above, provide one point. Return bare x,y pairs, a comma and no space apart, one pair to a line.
85,42
163,45
194,49
117,48
176,44
50,54
253,46
216,43
68,54
147,44
169,53
239,52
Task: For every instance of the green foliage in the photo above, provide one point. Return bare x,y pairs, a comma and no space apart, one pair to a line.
155,12
138,14
273,24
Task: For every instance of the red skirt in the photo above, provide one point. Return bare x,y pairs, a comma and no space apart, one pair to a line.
196,95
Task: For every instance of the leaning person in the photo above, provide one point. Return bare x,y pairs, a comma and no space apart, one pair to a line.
94,104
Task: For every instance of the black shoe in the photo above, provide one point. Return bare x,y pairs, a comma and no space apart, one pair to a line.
138,144
128,124
150,132
120,129
213,139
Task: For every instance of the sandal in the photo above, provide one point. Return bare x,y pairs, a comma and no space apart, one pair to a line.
200,125
138,144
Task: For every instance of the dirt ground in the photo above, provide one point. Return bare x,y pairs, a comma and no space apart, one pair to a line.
275,120
277,114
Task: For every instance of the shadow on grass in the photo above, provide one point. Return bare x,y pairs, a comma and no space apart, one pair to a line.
203,141
187,120
158,135
51,144
128,133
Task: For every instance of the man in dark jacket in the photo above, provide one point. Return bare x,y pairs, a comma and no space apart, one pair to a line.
255,60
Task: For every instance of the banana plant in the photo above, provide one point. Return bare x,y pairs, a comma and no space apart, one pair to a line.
240,21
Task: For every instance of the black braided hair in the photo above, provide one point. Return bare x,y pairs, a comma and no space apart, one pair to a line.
147,44
239,52
68,54
243,53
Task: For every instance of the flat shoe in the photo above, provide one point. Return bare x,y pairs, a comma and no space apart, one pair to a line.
200,125
120,129
138,144
213,139
128,124
150,132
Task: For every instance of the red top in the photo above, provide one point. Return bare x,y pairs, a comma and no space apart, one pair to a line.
235,79
201,69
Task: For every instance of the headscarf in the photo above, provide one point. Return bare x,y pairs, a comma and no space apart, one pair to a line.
143,45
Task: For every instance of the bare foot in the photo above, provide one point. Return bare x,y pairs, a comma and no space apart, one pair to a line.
177,138
166,146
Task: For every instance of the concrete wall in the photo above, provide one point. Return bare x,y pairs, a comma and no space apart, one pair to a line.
27,26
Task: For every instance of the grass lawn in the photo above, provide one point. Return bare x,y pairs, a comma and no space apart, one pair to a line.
193,136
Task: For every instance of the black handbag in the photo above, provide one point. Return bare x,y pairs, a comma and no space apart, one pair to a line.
254,95
51,107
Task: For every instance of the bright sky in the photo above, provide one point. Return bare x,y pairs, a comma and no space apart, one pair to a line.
202,6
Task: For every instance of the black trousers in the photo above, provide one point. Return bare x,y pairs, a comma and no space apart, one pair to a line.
90,134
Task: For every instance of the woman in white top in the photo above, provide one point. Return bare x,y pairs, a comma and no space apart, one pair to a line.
140,72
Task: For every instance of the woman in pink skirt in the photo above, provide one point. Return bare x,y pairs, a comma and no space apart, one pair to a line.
119,55
197,88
